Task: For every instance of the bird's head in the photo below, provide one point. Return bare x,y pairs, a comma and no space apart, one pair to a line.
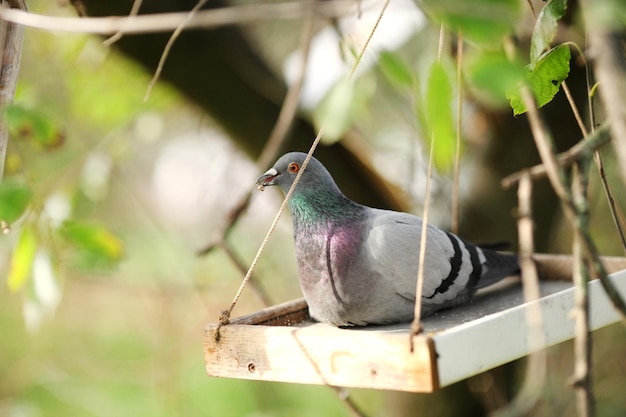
285,170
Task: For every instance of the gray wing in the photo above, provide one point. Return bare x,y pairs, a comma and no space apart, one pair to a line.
393,245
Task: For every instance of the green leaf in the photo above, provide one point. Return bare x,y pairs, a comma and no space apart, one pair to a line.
335,111
481,21
95,246
494,75
397,72
27,124
545,79
546,27
22,259
14,199
439,116
346,101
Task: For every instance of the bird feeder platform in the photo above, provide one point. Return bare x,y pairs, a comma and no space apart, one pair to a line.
282,343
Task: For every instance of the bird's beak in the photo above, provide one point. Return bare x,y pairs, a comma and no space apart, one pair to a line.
267,178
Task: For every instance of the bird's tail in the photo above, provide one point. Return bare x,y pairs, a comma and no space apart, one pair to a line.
497,266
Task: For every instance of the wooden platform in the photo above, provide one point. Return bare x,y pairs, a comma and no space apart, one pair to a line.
281,343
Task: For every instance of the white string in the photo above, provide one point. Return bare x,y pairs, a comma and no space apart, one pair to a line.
416,327
225,314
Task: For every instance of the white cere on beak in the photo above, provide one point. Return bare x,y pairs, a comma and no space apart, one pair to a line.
271,173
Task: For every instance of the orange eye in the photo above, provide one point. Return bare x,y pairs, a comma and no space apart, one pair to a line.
293,167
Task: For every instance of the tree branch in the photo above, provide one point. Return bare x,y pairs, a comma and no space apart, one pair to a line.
544,143
582,150
10,56
536,366
582,341
166,22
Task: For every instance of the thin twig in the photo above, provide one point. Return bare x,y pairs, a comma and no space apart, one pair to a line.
234,258
341,392
590,145
344,396
572,105
225,314
616,211
545,146
279,132
277,136
290,104
232,217
79,7
583,149
582,341
166,22
134,12
556,175
530,392
168,47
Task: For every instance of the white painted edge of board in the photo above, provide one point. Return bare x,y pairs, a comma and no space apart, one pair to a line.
493,340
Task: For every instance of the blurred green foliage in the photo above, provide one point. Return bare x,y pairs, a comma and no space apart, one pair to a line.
22,259
396,70
493,75
14,200
25,124
95,247
335,112
62,112
345,104
102,311
484,22
440,121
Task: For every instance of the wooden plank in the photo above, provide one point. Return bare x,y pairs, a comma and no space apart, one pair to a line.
553,267
281,343
255,347
491,341
290,313
322,354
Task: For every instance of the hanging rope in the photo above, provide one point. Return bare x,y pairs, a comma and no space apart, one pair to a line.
224,317
225,314
416,326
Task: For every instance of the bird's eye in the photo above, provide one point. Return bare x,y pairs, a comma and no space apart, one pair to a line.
294,167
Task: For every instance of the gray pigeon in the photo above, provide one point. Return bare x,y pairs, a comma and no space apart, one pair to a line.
358,265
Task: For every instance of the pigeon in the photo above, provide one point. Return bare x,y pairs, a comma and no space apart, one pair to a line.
358,265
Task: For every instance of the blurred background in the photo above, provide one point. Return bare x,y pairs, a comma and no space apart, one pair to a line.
107,318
